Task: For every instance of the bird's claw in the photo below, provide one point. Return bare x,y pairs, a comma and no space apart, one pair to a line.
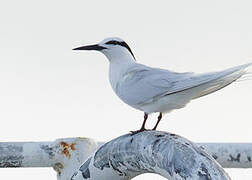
138,131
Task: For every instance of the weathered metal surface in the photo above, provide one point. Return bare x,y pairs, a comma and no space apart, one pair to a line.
166,154
64,155
230,155
73,152
42,154
68,154
13,156
27,154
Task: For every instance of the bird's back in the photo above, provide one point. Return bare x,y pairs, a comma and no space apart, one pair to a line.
139,84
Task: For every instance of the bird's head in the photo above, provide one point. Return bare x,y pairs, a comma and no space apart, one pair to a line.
112,48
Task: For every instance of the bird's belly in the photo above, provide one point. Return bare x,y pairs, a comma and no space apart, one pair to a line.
166,104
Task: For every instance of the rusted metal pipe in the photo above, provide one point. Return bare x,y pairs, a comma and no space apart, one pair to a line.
68,154
64,155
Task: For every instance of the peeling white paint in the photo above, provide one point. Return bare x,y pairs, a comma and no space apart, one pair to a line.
124,157
230,155
64,155
166,154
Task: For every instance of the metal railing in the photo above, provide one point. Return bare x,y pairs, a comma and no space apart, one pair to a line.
125,157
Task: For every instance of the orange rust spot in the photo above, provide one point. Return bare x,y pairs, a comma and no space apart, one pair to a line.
73,146
58,167
66,147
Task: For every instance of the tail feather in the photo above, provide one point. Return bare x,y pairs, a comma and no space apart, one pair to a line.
225,78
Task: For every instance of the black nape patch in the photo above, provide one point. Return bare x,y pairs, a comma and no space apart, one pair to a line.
123,44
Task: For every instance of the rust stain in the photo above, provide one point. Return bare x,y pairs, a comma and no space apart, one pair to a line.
72,146
58,167
66,148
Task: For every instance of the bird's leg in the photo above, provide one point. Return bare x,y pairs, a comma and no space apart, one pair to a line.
143,125
159,118
145,118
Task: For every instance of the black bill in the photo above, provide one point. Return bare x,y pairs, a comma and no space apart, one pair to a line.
90,47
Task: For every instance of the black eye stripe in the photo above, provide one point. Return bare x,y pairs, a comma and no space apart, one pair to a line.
121,43
113,42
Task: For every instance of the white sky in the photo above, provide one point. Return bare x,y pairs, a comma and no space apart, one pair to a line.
49,91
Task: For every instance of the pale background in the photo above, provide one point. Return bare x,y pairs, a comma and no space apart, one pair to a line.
48,91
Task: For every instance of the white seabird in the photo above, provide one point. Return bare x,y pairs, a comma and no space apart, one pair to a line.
157,90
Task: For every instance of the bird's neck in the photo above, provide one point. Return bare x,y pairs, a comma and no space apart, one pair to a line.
119,55
116,70
120,60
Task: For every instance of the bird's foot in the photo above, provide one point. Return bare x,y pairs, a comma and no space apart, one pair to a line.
138,131
154,129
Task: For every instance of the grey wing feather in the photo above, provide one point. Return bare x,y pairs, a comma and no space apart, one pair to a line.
217,80
142,84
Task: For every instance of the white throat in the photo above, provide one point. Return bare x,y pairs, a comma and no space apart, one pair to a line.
120,59
118,55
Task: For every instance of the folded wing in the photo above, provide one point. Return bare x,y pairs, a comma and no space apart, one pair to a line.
143,84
